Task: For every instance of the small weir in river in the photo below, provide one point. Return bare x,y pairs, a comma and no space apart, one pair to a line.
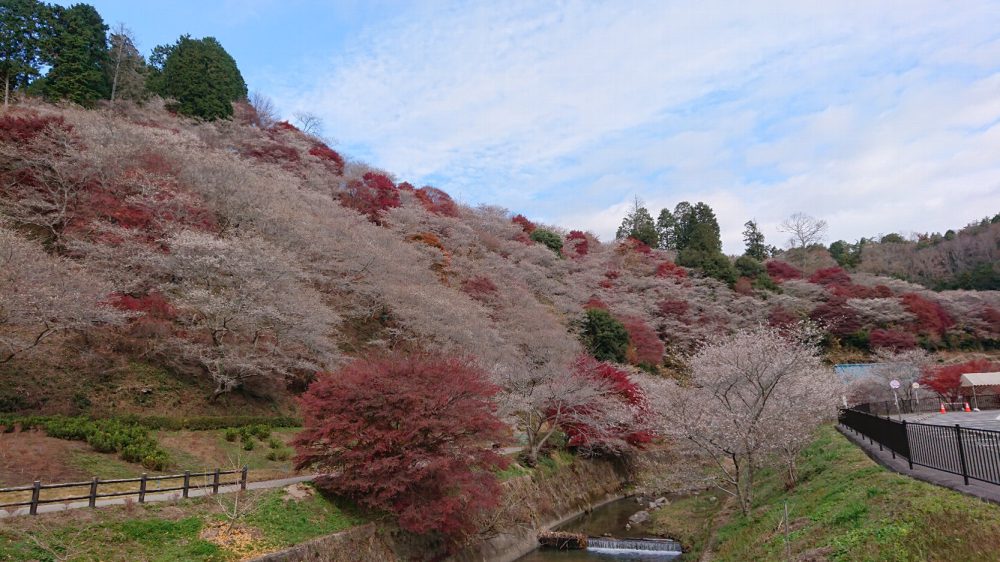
604,545
609,539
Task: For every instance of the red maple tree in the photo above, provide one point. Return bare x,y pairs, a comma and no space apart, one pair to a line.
932,319
372,195
437,201
830,276
781,271
891,339
409,435
645,347
577,243
632,431
670,269
524,223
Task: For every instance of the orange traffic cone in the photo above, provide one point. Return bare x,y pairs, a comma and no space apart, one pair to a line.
967,408
942,408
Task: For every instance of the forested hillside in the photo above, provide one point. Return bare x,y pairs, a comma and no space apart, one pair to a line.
155,261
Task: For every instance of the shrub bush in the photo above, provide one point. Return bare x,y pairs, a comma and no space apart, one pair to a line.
549,238
605,338
231,434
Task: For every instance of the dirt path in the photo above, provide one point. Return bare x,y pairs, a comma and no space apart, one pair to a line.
721,518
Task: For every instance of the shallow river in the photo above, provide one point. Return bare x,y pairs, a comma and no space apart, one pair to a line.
611,519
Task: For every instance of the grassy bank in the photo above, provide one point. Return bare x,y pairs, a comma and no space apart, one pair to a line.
194,530
845,508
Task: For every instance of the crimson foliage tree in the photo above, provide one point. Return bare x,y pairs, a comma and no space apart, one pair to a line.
781,271
372,195
437,201
645,348
409,435
945,380
830,276
932,319
628,428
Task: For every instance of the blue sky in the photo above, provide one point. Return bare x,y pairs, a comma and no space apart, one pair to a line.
875,116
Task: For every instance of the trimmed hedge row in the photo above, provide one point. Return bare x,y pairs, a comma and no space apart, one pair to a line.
201,423
130,437
132,442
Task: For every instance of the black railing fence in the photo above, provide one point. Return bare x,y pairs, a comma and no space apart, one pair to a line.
973,454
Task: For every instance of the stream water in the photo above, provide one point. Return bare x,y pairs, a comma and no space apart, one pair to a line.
608,519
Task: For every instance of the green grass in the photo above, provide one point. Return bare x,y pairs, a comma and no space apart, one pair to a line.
103,465
285,523
847,508
158,540
162,532
688,520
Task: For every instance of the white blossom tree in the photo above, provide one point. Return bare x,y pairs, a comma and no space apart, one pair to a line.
754,393
43,295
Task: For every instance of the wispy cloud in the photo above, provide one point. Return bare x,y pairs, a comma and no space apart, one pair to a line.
876,116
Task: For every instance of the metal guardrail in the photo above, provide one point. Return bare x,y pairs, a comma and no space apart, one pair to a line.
37,488
973,454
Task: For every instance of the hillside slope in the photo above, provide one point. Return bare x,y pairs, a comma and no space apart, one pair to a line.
152,263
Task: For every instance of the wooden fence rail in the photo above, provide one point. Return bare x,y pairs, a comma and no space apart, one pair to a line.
93,485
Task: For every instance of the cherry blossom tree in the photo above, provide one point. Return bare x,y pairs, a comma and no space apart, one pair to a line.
759,391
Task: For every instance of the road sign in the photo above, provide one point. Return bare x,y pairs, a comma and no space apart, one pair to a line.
894,384
916,385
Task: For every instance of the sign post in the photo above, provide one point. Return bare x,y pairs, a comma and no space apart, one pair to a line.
894,384
916,393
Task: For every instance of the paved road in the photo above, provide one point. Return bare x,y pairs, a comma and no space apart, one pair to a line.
987,419
159,497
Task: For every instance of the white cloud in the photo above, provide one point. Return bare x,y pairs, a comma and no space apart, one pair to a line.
876,116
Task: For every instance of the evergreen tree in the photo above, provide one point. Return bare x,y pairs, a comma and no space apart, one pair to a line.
638,224
79,56
666,229
200,75
754,239
23,30
702,247
605,337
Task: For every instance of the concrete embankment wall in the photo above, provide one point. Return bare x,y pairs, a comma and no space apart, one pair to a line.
533,503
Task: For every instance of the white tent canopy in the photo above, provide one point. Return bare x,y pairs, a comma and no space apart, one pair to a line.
976,380
980,379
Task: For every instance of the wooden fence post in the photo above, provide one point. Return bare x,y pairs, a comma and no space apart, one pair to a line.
243,478
215,482
35,492
93,493
142,488
187,482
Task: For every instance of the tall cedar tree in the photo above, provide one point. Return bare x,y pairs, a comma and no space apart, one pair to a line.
639,224
666,230
409,435
23,28
79,56
200,75
754,239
